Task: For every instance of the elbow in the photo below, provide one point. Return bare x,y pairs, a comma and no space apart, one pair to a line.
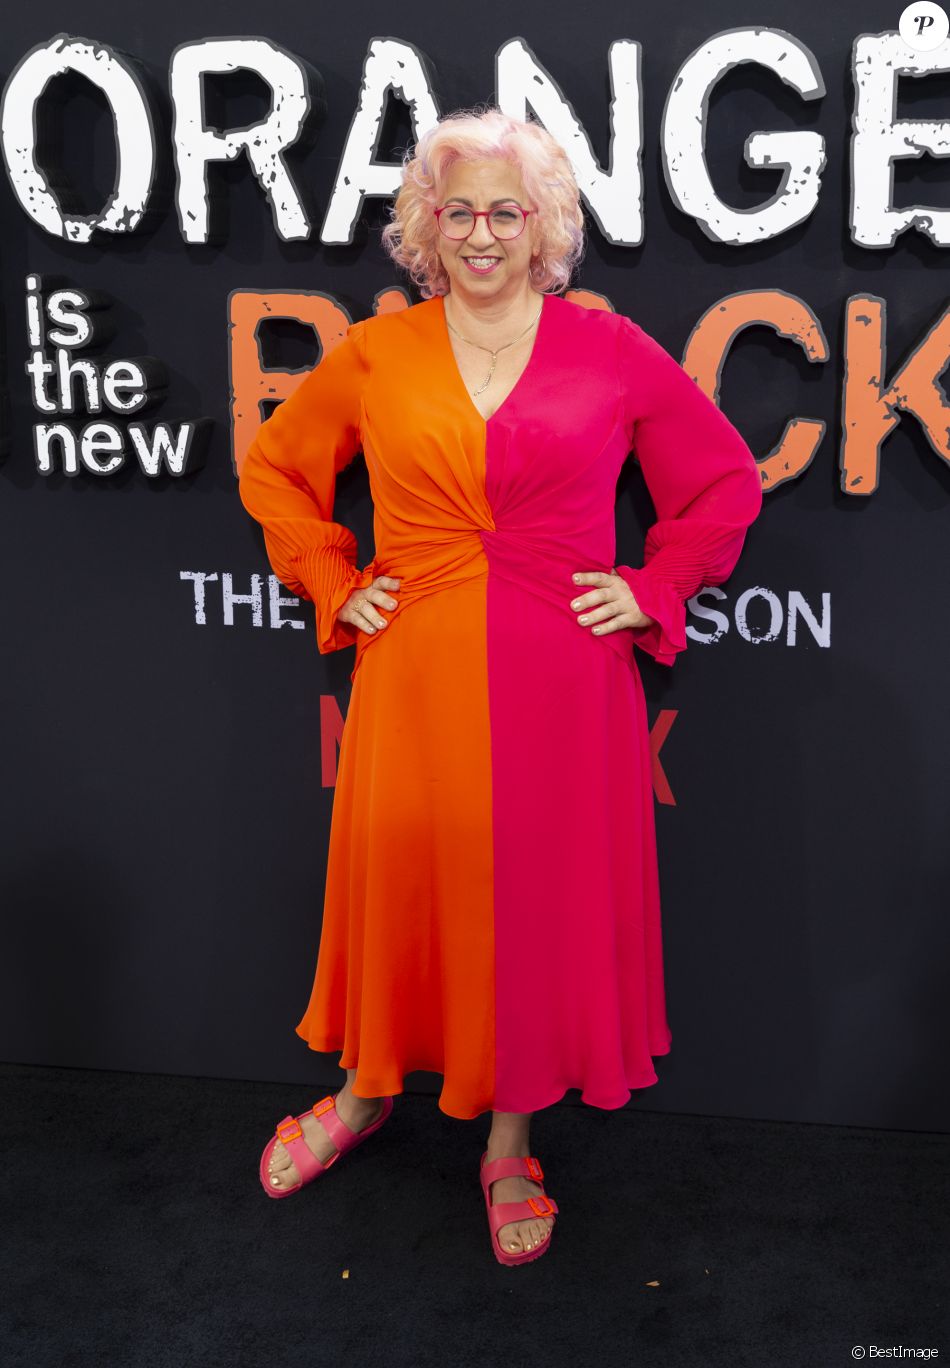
244,473
752,497
248,480
746,485
755,494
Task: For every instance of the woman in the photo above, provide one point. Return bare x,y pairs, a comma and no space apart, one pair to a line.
492,902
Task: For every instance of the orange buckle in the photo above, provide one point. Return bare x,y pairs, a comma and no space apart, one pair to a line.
322,1106
535,1204
291,1135
535,1169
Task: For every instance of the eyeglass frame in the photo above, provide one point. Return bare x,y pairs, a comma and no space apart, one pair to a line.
485,214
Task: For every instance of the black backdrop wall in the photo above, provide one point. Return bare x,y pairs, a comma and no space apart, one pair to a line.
169,751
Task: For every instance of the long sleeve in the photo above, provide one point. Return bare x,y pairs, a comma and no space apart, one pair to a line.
702,478
287,483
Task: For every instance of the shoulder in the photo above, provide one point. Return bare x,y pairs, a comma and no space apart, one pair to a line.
595,316
650,377
595,324
607,339
393,327
600,318
373,340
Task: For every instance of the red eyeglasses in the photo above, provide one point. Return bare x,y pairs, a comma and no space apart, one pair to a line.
505,221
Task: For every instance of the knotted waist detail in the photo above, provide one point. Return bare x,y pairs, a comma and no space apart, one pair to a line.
539,566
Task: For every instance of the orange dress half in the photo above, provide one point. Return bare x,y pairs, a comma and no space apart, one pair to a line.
492,908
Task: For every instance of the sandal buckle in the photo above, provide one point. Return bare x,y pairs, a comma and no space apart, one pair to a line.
535,1204
291,1134
534,1169
322,1106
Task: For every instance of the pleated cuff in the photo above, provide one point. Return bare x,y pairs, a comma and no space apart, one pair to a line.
330,578
665,637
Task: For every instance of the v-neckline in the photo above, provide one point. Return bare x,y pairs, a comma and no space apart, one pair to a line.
521,378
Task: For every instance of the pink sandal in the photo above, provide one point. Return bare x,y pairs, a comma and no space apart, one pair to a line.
290,1135
503,1212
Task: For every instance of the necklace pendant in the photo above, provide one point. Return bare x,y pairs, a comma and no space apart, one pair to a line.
484,385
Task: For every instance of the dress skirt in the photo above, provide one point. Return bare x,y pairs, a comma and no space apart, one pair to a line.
492,908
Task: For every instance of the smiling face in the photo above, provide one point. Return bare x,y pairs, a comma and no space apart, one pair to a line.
480,266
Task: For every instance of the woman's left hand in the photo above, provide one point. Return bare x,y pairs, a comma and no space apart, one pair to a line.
610,606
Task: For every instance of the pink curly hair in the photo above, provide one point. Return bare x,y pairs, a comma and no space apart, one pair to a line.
412,236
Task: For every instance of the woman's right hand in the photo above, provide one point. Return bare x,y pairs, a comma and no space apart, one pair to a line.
361,608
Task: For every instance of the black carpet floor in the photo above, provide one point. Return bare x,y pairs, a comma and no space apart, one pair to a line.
136,1235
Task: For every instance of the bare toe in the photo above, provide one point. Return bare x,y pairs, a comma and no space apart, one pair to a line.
279,1158
285,1177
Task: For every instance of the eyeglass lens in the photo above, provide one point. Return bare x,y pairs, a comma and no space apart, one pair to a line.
505,222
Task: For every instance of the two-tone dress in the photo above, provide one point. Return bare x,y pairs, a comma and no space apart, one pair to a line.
492,904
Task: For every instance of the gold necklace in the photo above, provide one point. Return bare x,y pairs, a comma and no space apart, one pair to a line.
494,353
